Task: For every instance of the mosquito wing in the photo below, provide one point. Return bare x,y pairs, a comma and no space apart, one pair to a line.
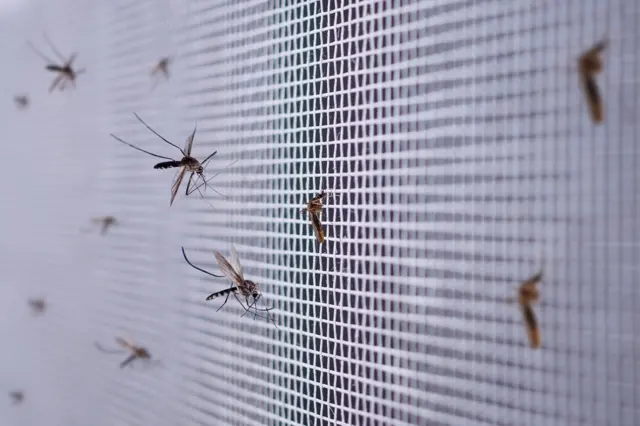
125,344
235,262
229,270
176,183
189,143
317,226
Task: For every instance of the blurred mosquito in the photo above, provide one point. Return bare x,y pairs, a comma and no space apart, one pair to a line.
160,69
137,352
241,288
65,71
186,164
527,295
21,101
105,223
314,210
17,396
38,306
589,65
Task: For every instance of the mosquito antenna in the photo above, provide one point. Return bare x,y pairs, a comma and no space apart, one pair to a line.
158,134
40,54
60,56
106,351
140,149
208,158
184,254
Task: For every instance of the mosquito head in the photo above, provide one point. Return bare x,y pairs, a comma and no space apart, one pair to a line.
200,171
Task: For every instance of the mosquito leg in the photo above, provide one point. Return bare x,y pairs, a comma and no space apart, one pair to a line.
158,134
225,301
40,54
53,48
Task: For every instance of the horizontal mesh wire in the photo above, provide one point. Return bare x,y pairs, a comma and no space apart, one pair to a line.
455,140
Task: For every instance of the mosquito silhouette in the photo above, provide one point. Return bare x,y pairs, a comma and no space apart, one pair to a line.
186,164
38,306
160,69
314,210
241,288
137,352
17,396
589,65
65,71
105,223
21,101
527,295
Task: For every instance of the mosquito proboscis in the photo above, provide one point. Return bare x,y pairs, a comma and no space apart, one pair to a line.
186,164
242,288
64,69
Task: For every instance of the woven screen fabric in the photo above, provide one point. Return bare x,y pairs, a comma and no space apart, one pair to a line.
460,158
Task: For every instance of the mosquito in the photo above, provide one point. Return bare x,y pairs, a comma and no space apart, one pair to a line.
21,101
527,295
38,306
66,73
241,288
16,396
161,68
137,352
105,223
589,65
186,164
314,210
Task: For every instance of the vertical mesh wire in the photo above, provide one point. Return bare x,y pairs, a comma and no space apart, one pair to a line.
455,140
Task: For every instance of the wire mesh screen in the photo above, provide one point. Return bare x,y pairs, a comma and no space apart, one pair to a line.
460,159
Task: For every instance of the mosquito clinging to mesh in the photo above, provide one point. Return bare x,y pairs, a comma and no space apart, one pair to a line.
527,295
242,288
65,72
137,352
184,165
589,65
314,210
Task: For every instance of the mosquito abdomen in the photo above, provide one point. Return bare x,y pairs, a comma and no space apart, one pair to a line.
167,164
55,68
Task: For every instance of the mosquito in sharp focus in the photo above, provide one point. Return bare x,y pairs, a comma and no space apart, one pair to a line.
314,210
38,306
137,352
21,101
241,288
527,295
65,71
186,164
589,65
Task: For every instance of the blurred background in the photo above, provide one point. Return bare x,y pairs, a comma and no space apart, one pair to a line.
455,137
